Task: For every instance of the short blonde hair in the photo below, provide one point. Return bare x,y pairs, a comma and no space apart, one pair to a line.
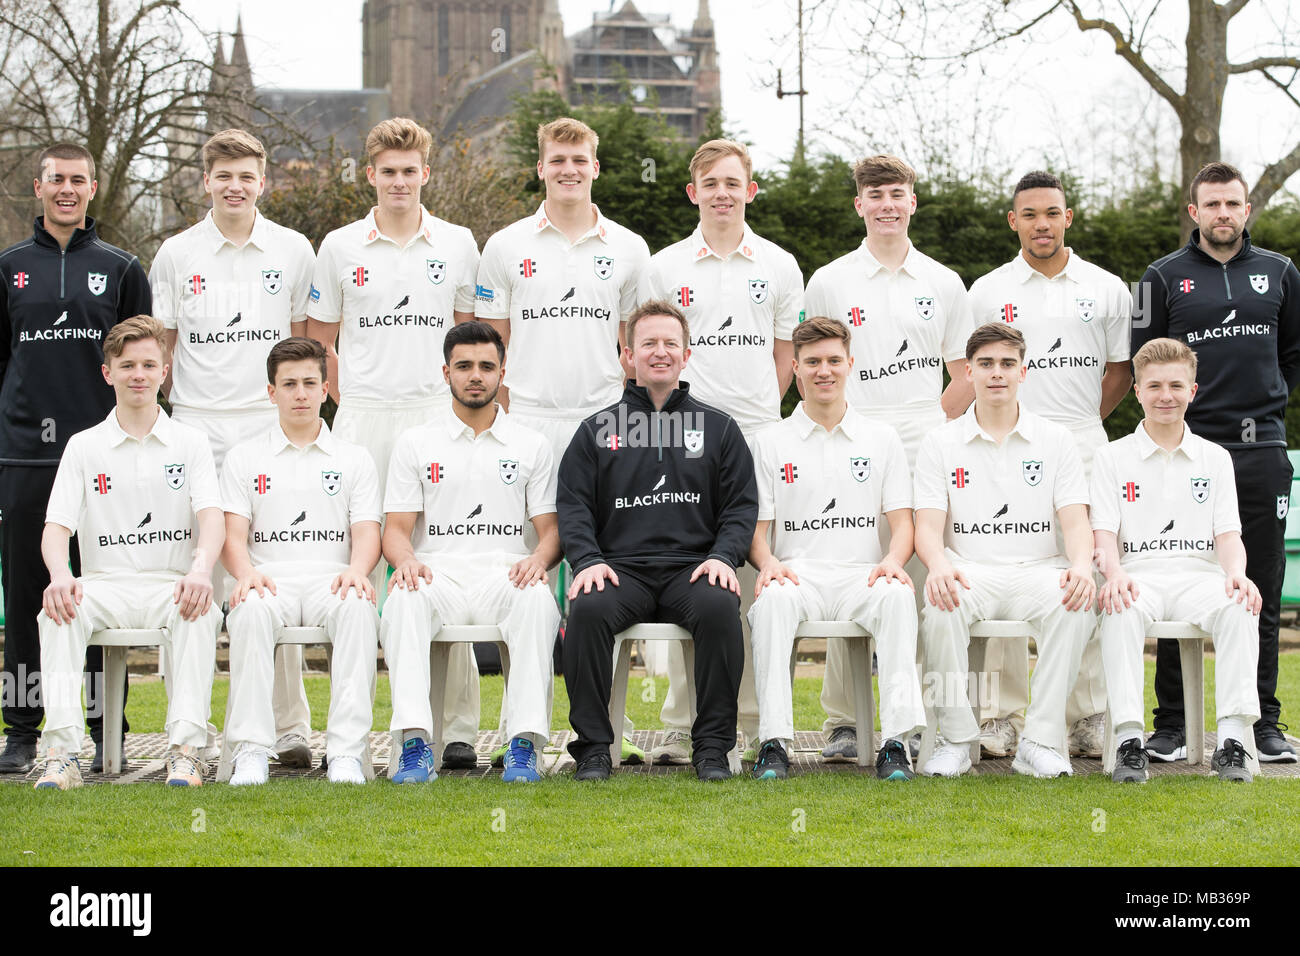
1163,352
568,131
233,144
716,149
134,329
400,133
881,171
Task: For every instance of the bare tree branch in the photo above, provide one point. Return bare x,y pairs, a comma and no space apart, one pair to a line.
1264,63
1130,53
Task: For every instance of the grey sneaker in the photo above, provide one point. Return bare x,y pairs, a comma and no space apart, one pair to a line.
998,737
1130,762
676,749
1087,736
843,745
1230,762
292,750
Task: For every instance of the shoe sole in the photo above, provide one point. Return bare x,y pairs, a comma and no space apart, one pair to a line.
1237,777
1142,779
182,783
840,756
1179,753
897,775
991,752
668,760
1025,770
429,779
296,757
1276,758
52,786
768,775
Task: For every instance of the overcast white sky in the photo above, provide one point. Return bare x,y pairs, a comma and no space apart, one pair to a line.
1067,100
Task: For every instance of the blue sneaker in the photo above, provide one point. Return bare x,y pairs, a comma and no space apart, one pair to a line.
416,763
521,761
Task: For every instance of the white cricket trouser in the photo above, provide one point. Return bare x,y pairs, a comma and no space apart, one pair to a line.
225,430
1196,597
472,590
135,600
1010,658
912,422
836,593
352,624
1020,593
375,427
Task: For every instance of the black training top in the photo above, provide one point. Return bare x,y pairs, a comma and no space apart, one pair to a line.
1242,319
55,307
647,488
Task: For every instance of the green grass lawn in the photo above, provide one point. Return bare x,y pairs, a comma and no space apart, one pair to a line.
813,819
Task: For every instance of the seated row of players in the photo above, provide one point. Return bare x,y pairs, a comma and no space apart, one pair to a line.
665,549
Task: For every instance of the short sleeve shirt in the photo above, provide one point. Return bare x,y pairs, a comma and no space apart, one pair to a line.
1073,324
565,302
1001,500
1165,507
394,303
132,502
301,503
737,306
473,493
826,492
905,324
229,305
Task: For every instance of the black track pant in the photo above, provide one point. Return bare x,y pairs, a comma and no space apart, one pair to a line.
663,595
24,495
1263,479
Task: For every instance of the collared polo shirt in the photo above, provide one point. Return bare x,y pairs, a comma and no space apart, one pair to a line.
905,324
825,492
737,306
394,303
1165,507
1002,499
301,503
132,501
565,302
474,493
1073,324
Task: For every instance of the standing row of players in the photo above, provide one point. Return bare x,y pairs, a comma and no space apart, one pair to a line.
396,281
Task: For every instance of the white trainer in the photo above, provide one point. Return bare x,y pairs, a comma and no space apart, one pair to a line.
998,737
250,767
1035,760
346,770
948,760
676,748
1086,736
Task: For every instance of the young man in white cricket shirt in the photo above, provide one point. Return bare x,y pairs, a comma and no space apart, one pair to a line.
302,536
991,490
825,476
1165,523
473,478
390,287
910,317
1072,315
227,289
743,297
140,492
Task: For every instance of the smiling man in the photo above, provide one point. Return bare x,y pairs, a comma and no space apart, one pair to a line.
1238,307
227,289
392,285
657,505
60,293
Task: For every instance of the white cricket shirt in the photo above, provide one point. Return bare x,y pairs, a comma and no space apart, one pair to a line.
905,324
132,502
1073,324
394,303
301,502
473,493
826,492
229,305
1164,507
564,302
1001,500
736,306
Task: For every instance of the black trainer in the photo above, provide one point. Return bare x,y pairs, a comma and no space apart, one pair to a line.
712,766
459,755
1270,744
595,766
773,762
1167,744
1130,762
1230,762
892,763
18,757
